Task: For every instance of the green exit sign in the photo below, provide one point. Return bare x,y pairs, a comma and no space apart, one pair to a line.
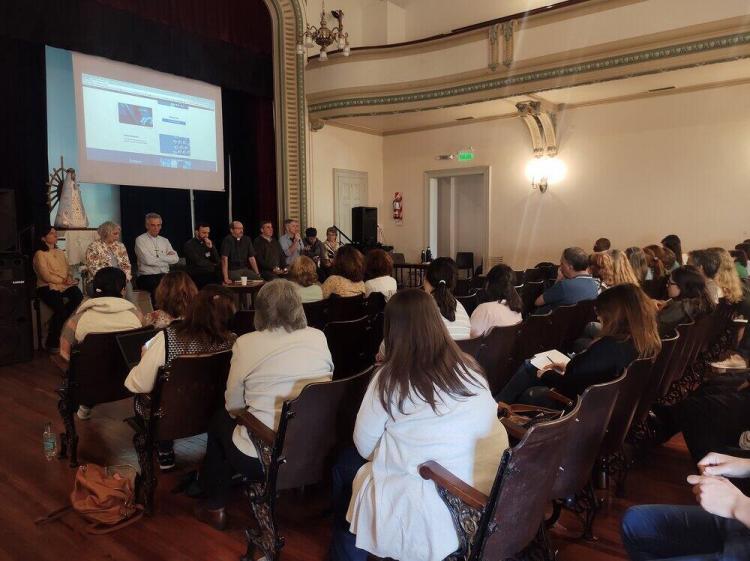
465,155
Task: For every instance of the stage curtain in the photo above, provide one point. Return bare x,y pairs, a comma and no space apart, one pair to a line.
23,129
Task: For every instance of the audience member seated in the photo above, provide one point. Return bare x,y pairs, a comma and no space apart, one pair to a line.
313,247
291,242
727,277
600,267
109,251
106,311
689,299
504,305
622,271
269,366
378,271
347,273
602,244
574,283
304,274
175,291
740,262
238,255
271,258
204,330
202,257
629,331
661,260
708,262
428,402
154,254
718,529
673,243
55,286
639,264
440,281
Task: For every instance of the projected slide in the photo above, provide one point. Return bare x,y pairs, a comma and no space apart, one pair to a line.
129,123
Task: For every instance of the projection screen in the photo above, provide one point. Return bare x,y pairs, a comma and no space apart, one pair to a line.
142,127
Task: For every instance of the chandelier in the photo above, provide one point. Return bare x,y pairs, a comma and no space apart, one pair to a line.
325,37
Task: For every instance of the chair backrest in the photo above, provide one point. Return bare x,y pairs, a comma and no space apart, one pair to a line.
97,369
469,302
631,390
533,275
312,427
582,449
188,394
680,357
350,346
521,491
569,322
346,308
463,287
549,272
243,322
375,303
651,391
471,347
316,313
655,288
530,291
534,337
496,355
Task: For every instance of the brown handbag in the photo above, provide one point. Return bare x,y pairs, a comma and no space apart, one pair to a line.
103,496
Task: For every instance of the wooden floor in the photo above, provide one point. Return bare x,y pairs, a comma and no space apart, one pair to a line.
31,487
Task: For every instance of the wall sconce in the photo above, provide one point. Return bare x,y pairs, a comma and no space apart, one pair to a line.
543,170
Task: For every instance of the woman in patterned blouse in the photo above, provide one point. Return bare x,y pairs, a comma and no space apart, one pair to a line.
109,251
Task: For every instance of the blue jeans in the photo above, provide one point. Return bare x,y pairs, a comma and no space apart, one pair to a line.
524,387
343,546
683,533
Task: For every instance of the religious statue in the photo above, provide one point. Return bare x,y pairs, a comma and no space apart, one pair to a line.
70,212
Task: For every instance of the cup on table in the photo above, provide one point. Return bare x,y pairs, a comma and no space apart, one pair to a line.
243,281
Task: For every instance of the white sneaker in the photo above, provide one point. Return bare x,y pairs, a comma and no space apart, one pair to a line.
734,362
84,413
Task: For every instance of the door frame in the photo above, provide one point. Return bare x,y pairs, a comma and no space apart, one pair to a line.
485,172
337,172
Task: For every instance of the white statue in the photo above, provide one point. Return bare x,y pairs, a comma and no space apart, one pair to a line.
70,213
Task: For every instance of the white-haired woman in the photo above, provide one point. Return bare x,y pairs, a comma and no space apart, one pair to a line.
109,251
269,366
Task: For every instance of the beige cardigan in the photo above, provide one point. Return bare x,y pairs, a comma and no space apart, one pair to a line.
52,269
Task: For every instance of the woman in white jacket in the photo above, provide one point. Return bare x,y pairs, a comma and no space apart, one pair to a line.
428,402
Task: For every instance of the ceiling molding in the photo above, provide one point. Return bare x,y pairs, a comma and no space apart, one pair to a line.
683,55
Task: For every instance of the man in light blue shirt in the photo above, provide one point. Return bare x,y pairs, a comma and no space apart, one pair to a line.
574,283
154,254
291,241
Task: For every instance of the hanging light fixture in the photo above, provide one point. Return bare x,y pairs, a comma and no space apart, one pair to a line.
324,36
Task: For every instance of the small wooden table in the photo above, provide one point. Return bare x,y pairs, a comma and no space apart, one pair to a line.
243,290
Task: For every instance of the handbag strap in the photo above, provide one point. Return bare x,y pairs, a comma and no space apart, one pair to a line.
54,515
99,529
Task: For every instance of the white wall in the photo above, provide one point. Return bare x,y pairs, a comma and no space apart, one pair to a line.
637,171
336,148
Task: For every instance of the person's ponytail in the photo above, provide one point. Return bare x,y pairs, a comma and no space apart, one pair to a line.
445,300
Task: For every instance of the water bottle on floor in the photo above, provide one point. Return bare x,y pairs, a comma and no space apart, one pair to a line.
49,442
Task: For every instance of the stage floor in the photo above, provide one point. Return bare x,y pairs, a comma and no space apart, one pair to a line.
32,487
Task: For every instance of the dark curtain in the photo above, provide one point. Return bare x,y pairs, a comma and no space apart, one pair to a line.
23,129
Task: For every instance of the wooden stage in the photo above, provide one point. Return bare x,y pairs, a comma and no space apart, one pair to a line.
31,487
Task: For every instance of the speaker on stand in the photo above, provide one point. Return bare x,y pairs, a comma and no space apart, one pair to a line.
16,338
365,226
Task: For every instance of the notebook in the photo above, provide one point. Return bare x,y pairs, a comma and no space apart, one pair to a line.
540,360
131,344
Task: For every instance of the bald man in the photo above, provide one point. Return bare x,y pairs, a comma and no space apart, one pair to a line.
238,255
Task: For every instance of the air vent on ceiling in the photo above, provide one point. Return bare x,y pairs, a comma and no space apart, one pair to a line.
464,119
662,89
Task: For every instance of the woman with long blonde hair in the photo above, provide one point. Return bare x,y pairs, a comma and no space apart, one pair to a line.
600,265
727,277
622,270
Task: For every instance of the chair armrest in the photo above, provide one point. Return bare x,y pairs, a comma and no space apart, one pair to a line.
514,429
256,427
560,398
443,478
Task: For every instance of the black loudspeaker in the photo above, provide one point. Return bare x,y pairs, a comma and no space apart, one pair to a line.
8,230
365,225
16,339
